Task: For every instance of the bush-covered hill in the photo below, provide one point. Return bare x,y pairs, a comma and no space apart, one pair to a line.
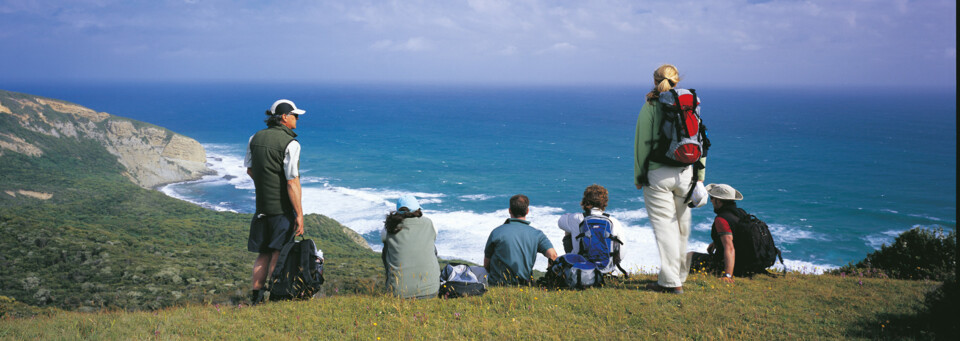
77,233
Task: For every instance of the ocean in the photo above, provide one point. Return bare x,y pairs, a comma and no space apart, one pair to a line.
836,173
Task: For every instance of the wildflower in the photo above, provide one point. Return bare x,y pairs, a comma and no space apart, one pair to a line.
374,324
843,275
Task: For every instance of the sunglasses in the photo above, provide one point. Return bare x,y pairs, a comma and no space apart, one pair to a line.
295,116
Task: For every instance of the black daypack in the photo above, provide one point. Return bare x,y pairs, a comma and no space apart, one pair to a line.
461,280
571,271
752,242
299,271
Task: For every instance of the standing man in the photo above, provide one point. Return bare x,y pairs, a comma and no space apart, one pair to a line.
273,161
512,247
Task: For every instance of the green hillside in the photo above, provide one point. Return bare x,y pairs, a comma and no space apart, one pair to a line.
76,234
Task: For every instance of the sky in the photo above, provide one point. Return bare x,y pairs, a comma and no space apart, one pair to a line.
736,42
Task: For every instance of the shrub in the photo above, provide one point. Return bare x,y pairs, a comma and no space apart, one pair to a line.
918,253
942,308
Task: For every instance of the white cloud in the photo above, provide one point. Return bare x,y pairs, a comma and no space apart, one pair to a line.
415,44
559,47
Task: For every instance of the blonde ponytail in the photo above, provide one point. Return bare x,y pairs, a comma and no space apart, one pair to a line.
664,78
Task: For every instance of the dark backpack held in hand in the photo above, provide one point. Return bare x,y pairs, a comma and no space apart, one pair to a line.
299,271
752,242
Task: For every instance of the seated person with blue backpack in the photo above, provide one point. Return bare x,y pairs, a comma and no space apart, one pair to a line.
593,234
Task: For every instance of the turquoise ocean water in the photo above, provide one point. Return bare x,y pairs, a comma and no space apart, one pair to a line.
835,173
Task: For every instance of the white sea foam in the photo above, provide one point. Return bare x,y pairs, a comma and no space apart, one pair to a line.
476,197
790,234
462,233
171,191
877,240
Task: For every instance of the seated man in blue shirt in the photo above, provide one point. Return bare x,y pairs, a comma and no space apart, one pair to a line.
512,247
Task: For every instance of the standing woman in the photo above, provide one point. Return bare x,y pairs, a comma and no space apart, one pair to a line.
409,251
664,188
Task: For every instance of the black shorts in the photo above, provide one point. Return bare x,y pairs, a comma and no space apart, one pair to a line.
268,233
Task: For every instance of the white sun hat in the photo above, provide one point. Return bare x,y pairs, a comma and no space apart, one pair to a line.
724,192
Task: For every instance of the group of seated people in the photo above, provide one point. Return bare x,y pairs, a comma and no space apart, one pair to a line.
410,257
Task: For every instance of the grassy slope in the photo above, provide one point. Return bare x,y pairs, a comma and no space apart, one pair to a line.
794,307
102,241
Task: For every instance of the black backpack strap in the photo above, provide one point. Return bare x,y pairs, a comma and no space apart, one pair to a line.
780,256
281,261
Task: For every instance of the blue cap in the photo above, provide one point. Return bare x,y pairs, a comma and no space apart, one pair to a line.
409,201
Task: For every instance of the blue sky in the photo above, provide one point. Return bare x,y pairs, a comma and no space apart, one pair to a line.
778,42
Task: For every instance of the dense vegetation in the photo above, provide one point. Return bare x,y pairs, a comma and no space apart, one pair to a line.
918,253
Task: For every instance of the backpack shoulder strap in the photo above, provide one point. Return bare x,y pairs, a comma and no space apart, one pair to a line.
282,260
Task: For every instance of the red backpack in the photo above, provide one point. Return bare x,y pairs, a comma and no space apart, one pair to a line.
683,139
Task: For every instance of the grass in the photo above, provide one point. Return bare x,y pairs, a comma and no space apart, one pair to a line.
797,306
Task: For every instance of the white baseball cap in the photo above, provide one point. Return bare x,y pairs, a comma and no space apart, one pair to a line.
285,106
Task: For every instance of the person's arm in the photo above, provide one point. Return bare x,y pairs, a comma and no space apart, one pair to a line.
551,254
729,255
295,193
642,142
702,173
291,169
250,172
486,263
710,249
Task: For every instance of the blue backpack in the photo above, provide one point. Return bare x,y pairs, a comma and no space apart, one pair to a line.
598,244
571,271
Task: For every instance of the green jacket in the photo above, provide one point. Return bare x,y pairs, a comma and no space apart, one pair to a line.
648,132
410,259
267,150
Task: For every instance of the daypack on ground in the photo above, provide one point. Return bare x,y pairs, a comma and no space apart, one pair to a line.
572,271
682,133
597,243
752,242
461,280
299,271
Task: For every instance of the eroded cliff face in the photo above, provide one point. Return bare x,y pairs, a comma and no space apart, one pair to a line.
152,155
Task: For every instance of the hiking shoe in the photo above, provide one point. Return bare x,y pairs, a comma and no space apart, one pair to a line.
658,288
256,297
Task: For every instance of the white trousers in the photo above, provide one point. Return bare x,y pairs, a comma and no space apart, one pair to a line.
670,218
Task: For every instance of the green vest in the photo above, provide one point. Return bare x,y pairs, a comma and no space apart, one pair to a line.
267,149
410,259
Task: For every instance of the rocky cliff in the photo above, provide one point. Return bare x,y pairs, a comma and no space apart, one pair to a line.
152,155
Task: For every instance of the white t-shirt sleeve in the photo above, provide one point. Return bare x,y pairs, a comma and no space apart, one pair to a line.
248,160
291,160
570,223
